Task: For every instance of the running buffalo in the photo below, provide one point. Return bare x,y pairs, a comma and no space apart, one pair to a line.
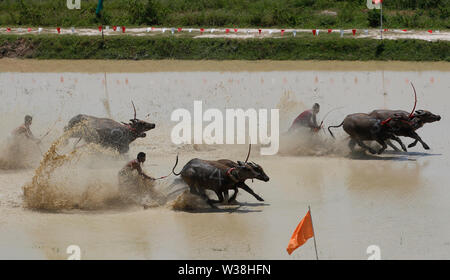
107,132
409,126
219,176
362,127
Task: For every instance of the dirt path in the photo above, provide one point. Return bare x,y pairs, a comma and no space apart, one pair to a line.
244,33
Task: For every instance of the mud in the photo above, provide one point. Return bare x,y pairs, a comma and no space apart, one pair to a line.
398,201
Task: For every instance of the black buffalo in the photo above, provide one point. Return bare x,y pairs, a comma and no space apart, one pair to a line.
107,132
362,127
219,176
412,122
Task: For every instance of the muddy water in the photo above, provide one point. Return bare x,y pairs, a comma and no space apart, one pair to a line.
399,201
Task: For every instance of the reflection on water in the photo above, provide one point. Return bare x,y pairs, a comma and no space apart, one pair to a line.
404,177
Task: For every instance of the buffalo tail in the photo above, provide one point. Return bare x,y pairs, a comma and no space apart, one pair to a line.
335,126
173,169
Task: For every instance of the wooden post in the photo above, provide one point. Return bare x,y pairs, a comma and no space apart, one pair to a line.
381,19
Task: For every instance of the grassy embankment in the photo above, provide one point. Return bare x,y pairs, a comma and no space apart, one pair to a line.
303,47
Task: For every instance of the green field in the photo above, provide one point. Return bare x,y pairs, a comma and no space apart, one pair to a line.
305,47
417,14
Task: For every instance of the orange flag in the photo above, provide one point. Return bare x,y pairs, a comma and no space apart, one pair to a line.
302,233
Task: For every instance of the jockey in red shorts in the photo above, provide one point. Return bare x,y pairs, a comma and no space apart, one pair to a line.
307,119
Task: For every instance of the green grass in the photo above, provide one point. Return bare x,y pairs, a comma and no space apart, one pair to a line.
418,14
304,47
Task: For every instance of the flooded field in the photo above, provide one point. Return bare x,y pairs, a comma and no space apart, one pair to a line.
397,201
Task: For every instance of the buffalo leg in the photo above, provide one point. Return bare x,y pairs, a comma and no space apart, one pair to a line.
219,195
364,146
390,144
418,139
193,189
225,195
202,194
233,197
250,191
398,140
413,144
383,146
351,145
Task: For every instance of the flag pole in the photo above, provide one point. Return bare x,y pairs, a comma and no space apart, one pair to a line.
381,19
314,233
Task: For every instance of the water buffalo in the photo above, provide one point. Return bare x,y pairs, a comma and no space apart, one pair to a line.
408,128
218,176
107,132
362,127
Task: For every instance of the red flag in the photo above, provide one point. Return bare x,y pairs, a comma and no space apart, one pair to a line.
302,233
430,31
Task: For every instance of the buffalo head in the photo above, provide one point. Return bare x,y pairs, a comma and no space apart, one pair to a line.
254,170
139,126
425,116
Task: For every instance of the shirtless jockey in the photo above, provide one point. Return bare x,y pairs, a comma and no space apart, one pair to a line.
307,119
135,164
25,131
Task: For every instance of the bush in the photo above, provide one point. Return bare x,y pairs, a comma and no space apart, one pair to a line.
327,21
256,13
170,47
347,13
